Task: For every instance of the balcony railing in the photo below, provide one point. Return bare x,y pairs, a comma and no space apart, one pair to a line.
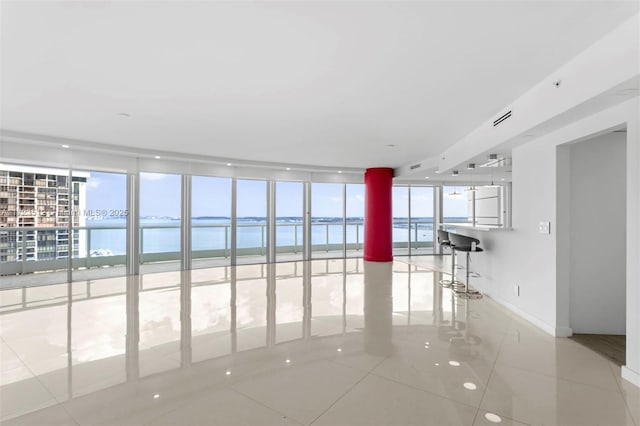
105,246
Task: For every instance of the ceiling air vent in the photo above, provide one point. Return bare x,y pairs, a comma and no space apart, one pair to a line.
501,119
415,166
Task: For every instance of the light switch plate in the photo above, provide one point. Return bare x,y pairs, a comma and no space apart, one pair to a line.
544,227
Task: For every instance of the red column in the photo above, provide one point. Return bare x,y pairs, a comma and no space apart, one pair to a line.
377,216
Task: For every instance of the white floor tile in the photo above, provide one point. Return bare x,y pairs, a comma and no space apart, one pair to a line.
50,416
540,399
377,401
374,365
23,397
225,408
301,392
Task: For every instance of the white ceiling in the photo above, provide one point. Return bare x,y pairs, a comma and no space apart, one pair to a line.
311,83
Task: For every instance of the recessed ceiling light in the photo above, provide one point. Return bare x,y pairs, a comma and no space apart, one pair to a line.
229,164
65,146
502,179
157,157
454,363
426,177
288,168
156,396
437,171
228,373
339,171
288,361
339,349
493,418
470,386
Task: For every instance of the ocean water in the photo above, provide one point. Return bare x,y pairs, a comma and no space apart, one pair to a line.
163,235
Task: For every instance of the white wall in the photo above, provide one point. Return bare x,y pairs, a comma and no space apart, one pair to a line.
535,261
597,232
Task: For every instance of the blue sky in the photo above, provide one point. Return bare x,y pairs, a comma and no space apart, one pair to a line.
160,196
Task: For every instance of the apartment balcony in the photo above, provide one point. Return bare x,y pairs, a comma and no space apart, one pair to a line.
103,249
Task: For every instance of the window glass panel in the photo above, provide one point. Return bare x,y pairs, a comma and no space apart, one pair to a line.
355,219
210,221
100,226
160,198
422,219
289,221
400,220
251,221
327,220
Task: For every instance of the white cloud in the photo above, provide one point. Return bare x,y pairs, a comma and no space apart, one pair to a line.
93,183
152,176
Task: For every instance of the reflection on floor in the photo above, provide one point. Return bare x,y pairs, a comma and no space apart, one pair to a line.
610,346
84,274
325,342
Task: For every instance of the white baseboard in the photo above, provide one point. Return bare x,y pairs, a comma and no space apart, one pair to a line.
630,376
547,328
564,332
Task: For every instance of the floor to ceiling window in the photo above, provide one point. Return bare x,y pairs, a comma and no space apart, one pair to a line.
327,220
421,219
45,200
210,221
100,224
251,213
289,221
355,219
160,201
401,231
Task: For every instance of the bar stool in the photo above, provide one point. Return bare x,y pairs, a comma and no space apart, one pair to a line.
467,245
444,241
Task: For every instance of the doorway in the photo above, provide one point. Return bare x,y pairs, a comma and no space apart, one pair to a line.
592,240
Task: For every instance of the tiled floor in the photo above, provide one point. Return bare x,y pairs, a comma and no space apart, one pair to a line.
327,342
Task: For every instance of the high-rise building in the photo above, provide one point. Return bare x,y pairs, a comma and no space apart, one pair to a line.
35,207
